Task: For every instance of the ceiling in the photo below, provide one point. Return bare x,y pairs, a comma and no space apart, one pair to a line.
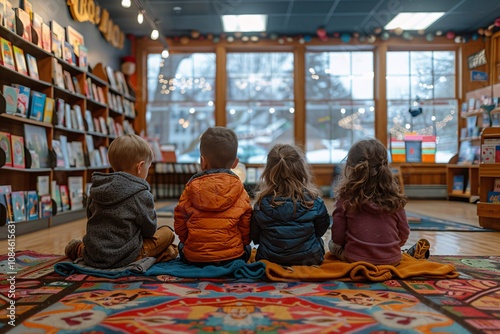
300,17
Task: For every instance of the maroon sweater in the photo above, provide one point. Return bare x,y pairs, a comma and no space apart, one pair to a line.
372,235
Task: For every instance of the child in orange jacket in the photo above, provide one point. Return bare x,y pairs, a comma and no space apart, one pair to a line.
212,218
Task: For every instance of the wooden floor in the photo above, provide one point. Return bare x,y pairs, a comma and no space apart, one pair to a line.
53,240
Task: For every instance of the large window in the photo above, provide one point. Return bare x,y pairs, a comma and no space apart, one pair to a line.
339,103
260,107
181,100
426,80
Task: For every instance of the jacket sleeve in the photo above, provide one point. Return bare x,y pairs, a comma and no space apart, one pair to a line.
403,227
339,225
147,214
244,223
322,220
254,229
181,218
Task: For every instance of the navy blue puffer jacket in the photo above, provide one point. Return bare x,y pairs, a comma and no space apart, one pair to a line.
286,237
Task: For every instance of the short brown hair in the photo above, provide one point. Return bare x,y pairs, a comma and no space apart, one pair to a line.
127,150
219,146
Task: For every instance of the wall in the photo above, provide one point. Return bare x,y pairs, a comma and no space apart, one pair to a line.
100,51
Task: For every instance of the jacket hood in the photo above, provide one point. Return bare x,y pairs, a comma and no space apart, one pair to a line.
214,190
283,212
112,188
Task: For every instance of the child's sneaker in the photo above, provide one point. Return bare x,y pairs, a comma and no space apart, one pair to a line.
420,250
71,249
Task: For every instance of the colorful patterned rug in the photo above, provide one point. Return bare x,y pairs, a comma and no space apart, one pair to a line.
46,302
420,222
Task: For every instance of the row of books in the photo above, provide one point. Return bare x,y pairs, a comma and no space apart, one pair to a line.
72,154
14,58
490,151
25,102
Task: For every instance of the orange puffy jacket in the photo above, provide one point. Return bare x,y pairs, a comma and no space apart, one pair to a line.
212,218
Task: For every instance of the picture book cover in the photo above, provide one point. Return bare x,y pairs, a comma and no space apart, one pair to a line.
17,146
64,150
60,111
48,110
2,11
37,105
464,153
5,200
56,46
18,206
413,151
10,94
64,197
25,19
56,195
10,17
89,120
20,60
83,57
56,146
32,66
46,37
68,53
23,100
27,6
36,140
45,209
75,186
494,197
57,74
7,54
496,184
5,145
32,205
458,184
42,185
37,22
68,82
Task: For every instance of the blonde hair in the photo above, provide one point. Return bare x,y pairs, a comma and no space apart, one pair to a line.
127,150
287,175
219,146
367,178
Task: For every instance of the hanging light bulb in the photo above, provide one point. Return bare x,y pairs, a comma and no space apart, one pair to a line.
140,17
165,53
126,3
155,34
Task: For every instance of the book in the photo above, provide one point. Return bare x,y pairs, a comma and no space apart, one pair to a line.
2,11
23,100
76,84
89,143
5,200
60,111
79,117
37,105
458,184
56,46
48,110
45,209
64,150
46,37
10,94
68,122
471,126
68,54
37,22
56,147
7,54
35,138
75,187
27,6
68,82
494,197
42,185
18,206
496,185
56,195
32,66
17,146
31,205
83,57
102,123
77,148
25,19
57,74
488,153
64,197
89,121
10,17
5,146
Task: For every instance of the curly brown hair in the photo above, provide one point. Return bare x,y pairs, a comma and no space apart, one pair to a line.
287,175
367,178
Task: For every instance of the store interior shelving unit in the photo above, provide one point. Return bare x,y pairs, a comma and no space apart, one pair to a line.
488,213
24,179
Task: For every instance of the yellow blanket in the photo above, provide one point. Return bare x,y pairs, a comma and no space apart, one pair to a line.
332,268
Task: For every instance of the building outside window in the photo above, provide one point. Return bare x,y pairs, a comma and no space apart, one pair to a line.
260,101
426,80
180,100
339,103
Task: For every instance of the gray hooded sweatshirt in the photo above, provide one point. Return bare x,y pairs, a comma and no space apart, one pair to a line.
120,212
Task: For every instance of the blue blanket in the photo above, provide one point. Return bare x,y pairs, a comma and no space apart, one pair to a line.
235,269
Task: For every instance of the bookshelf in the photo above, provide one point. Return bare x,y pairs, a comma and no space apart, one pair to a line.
488,213
75,107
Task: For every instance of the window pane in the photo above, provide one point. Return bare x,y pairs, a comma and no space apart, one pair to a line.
421,87
421,62
444,62
444,86
398,63
339,63
398,87
180,100
260,107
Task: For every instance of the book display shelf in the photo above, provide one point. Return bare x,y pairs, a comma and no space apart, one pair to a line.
488,208
57,120
480,111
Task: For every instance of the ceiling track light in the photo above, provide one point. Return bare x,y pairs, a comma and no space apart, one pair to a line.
126,3
155,34
165,53
140,17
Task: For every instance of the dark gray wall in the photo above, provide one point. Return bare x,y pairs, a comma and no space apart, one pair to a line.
100,51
